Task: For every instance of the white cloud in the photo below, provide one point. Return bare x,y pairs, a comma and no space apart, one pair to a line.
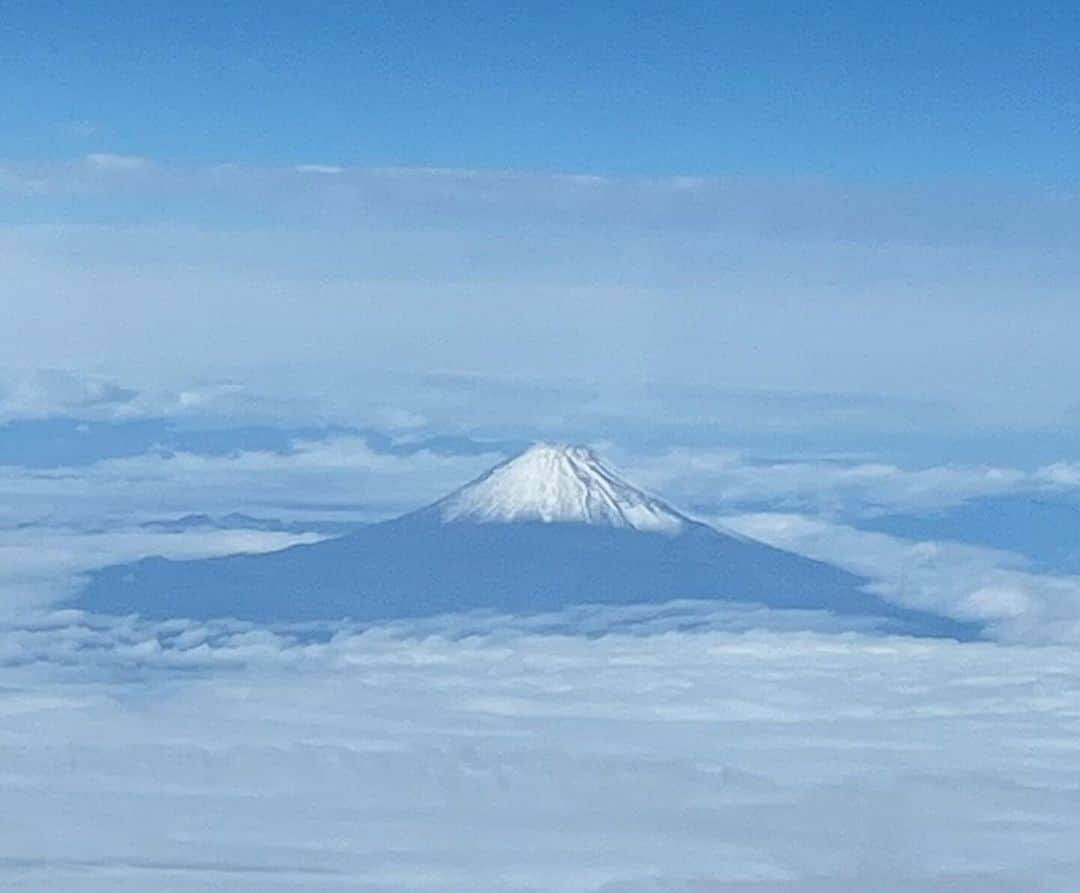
41,564
1064,474
319,169
43,393
704,478
964,582
107,161
716,477
512,761
340,474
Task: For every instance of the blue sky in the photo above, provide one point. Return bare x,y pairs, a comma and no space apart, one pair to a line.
870,208
673,218
860,90
817,237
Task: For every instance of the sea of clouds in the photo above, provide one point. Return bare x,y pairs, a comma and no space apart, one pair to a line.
684,750
678,748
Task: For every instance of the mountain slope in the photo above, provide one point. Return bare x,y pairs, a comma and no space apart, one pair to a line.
550,529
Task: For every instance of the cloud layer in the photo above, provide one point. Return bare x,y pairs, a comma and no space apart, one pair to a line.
59,522
957,580
510,760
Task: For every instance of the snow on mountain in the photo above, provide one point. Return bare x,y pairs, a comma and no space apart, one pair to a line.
553,483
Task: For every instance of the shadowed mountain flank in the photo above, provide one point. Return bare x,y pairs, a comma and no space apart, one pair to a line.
549,529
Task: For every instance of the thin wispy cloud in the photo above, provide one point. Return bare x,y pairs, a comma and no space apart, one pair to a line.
319,169
108,161
901,291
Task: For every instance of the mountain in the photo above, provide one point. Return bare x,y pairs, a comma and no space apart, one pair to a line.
556,484
551,528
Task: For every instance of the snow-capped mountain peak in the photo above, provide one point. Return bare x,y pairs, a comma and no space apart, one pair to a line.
554,483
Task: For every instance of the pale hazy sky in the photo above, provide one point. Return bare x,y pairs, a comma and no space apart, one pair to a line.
874,200
951,295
